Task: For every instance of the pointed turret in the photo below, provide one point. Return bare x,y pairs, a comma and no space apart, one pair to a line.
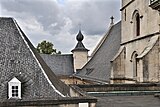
80,53
80,46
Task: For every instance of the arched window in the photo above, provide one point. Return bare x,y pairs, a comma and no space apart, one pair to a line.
137,24
134,63
14,88
135,66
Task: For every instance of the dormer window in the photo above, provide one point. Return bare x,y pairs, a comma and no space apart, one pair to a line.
14,91
14,88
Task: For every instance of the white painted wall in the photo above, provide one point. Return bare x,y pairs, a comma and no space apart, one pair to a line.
80,59
83,105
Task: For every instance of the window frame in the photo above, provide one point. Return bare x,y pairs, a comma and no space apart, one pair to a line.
137,26
14,93
136,20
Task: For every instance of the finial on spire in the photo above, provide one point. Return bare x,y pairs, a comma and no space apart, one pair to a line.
79,36
112,20
80,46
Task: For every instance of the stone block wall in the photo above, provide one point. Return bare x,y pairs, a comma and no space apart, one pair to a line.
149,19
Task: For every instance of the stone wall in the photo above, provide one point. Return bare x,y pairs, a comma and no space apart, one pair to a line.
121,87
80,59
118,67
142,54
151,72
149,19
74,80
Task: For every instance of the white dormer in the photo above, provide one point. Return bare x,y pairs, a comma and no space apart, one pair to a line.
14,88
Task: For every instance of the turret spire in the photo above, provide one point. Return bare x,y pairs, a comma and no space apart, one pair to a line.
80,45
80,53
79,36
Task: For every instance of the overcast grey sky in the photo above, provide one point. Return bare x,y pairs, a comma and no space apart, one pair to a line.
58,21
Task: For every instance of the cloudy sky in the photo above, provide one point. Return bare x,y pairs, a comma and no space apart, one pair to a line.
58,21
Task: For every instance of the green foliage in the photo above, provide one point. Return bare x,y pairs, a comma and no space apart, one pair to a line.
46,48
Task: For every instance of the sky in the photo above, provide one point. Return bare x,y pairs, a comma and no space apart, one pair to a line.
58,21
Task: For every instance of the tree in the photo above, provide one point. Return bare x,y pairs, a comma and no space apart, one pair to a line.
46,48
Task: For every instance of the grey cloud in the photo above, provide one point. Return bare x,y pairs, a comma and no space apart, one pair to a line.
51,15
37,7
94,16
46,12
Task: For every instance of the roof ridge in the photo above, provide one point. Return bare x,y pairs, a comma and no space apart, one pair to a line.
56,54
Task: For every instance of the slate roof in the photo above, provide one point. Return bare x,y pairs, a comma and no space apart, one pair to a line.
18,58
98,67
128,101
62,65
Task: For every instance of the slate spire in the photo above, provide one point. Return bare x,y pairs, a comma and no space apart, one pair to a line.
80,46
80,37
80,53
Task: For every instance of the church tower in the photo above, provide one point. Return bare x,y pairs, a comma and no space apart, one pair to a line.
138,59
80,53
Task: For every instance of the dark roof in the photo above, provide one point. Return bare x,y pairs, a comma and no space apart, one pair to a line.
99,66
128,101
61,65
48,102
18,58
80,46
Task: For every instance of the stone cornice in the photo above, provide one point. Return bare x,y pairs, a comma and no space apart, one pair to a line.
139,38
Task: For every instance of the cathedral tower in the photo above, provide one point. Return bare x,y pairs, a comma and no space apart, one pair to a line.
138,59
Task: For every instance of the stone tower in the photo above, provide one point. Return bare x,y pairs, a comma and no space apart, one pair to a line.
80,53
138,59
